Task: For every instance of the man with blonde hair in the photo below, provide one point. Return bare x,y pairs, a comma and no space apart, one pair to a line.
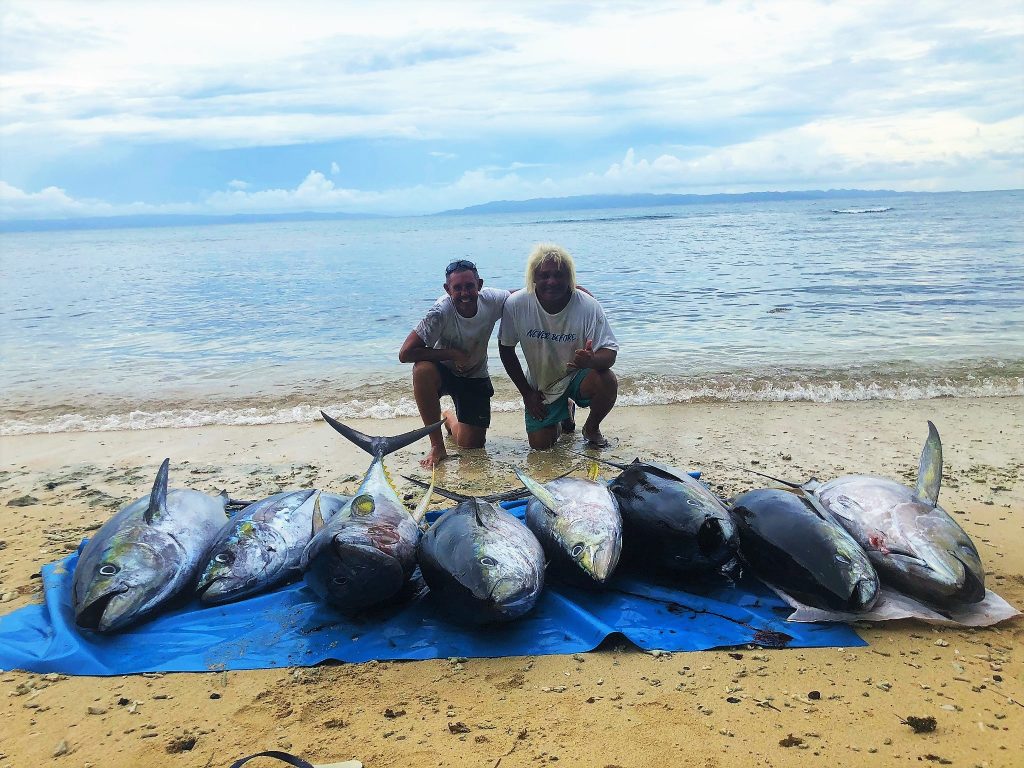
569,350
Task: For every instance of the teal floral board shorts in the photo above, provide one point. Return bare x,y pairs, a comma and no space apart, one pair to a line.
558,411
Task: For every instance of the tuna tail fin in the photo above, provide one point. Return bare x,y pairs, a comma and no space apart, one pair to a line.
421,508
379,447
158,496
929,471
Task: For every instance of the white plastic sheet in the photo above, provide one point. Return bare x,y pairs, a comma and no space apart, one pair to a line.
895,605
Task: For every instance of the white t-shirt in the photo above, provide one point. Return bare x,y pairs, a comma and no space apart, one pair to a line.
550,341
445,328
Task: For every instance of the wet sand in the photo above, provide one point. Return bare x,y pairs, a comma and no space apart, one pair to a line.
617,706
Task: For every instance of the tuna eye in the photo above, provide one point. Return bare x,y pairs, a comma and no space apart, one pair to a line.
108,569
577,550
223,557
490,562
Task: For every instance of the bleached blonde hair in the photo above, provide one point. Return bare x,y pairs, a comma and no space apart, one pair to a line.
549,252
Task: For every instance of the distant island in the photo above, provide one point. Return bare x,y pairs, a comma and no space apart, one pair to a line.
591,202
536,205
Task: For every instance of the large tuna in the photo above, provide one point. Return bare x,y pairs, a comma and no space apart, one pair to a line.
144,555
366,553
260,546
482,563
578,524
789,541
671,521
912,542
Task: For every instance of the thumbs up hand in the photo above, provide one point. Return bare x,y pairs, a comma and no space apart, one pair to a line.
584,358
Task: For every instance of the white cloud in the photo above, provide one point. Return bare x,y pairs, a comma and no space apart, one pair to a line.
315,193
299,74
717,96
51,202
918,152
922,152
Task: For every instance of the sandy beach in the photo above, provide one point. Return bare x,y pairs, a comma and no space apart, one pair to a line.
614,707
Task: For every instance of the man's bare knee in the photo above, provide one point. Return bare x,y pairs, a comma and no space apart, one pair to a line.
543,439
597,383
470,437
426,372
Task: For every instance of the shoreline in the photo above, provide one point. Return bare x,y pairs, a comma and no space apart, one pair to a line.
679,707
383,395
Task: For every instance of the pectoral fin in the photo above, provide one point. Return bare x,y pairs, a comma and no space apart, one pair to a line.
318,516
421,508
543,495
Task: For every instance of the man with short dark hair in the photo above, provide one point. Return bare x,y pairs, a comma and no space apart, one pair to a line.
448,349
569,349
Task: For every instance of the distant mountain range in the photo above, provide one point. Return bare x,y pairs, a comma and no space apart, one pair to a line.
536,205
590,202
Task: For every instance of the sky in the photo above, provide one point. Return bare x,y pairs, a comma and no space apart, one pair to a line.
145,107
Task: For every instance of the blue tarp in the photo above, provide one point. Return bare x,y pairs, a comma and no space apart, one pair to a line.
292,627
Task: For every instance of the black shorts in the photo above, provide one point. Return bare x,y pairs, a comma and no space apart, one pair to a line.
472,397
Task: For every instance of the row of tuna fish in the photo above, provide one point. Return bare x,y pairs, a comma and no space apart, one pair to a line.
826,545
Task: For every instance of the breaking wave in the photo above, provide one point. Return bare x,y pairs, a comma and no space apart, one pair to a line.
394,400
862,210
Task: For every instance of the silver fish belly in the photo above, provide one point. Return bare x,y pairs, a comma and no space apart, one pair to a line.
367,552
146,554
915,546
789,542
260,546
482,563
578,523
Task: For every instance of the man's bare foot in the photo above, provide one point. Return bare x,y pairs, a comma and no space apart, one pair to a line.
595,439
448,415
435,457
569,422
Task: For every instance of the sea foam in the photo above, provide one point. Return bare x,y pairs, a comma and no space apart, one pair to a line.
634,392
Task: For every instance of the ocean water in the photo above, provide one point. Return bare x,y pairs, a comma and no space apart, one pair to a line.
899,298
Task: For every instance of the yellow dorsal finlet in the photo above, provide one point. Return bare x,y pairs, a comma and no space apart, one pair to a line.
593,471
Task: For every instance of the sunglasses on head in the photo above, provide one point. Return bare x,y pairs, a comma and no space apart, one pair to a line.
459,265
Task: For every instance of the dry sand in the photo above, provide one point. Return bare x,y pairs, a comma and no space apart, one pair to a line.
613,707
